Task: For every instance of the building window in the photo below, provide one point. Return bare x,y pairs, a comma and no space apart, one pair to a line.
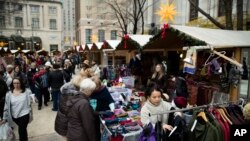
101,35
53,47
34,9
221,8
113,34
2,21
18,22
193,11
35,22
2,6
52,23
18,7
52,10
88,33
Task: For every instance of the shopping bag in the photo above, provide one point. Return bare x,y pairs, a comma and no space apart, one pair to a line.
6,133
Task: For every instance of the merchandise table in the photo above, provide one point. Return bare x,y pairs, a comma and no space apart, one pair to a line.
124,122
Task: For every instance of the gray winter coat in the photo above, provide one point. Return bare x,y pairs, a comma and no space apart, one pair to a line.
68,91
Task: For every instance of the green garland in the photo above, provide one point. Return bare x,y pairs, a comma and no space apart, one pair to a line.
187,40
131,45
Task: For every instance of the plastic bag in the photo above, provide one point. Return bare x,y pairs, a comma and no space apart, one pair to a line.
6,133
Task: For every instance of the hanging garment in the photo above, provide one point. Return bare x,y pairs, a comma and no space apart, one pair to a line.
180,133
202,131
148,133
191,56
204,96
158,130
224,125
234,76
192,90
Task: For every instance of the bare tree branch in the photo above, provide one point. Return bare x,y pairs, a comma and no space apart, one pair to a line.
214,21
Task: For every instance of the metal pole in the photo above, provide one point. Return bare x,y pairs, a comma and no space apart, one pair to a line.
32,47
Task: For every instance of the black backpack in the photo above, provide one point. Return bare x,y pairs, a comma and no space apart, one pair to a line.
44,81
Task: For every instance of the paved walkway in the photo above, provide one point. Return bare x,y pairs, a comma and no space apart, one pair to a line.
42,127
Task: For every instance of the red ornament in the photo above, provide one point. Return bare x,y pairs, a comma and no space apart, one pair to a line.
163,34
126,37
104,45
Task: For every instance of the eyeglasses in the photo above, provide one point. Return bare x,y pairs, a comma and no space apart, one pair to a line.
16,83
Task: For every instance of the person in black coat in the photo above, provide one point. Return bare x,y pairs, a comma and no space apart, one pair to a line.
55,82
31,72
181,86
3,91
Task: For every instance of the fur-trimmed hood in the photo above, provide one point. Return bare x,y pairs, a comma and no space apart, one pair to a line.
69,88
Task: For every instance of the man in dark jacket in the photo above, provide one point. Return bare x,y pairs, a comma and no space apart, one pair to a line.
55,82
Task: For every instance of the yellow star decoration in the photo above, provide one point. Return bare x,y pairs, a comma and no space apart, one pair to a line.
94,38
167,12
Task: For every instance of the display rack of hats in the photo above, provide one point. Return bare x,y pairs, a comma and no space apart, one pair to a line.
124,121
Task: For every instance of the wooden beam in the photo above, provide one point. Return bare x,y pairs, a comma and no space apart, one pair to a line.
234,91
229,59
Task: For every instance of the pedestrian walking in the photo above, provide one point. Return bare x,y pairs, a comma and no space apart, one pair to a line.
31,72
17,107
41,87
56,81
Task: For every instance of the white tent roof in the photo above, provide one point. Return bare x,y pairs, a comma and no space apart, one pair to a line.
217,37
25,51
13,51
141,39
90,45
113,43
99,44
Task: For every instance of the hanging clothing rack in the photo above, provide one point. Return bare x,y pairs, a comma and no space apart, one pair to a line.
198,107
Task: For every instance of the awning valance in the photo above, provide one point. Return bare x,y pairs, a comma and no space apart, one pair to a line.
18,38
36,39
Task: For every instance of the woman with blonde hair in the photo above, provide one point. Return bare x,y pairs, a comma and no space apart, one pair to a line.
159,77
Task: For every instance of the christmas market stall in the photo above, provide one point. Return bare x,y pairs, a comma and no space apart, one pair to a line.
108,54
95,52
224,48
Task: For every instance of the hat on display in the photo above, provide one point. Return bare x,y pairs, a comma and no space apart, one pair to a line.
180,102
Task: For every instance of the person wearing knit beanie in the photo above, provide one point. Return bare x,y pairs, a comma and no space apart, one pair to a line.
179,102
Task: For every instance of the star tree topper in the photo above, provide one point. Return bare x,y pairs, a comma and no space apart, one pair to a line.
167,12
